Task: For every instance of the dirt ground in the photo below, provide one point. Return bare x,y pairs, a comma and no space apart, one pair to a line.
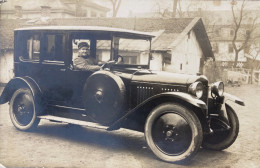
55,145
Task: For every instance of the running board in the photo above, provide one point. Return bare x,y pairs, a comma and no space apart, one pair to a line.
73,121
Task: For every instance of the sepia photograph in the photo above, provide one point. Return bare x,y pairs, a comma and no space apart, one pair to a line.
129,83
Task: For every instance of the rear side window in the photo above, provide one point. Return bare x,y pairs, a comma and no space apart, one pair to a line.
33,47
28,47
39,46
54,47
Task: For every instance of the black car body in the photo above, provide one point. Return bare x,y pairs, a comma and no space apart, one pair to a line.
177,112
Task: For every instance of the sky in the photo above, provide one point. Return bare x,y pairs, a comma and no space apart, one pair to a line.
146,6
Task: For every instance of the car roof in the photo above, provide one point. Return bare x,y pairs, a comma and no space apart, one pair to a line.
88,28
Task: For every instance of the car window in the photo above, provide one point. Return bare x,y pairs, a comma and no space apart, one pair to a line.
76,45
132,51
33,48
103,50
54,47
99,49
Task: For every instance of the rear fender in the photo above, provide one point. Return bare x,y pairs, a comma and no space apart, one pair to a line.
21,82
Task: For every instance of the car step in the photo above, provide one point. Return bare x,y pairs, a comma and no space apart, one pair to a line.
73,121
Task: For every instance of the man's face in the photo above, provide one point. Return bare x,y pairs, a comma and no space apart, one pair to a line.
83,51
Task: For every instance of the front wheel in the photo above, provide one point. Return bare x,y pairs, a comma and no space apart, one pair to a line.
221,140
173,132
22,110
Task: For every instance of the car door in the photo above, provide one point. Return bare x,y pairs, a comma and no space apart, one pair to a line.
52,78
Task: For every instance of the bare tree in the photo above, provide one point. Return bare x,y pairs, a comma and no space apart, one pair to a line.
237,20
174,9
116,4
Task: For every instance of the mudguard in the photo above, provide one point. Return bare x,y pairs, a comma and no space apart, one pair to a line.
220,108
19,82
184,97
229,97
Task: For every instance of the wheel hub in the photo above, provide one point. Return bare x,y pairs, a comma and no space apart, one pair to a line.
23,109
171,134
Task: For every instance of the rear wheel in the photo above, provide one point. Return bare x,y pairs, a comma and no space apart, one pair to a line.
22,110
220,140
173,132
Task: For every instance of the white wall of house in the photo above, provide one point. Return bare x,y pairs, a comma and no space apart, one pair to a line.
224,54
156,62
186,56
6,67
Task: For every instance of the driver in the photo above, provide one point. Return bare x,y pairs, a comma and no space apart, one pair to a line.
84,60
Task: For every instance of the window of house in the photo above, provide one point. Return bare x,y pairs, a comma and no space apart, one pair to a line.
250,19
215,48
231,33
93,14
230,48
130,59
248,32
246,49
103,50
55,48
217,32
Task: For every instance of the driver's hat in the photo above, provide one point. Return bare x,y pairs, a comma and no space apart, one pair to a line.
83,44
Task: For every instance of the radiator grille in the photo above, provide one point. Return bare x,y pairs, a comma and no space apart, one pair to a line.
142,92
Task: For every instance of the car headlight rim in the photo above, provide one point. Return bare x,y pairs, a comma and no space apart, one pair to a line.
218,88
196,89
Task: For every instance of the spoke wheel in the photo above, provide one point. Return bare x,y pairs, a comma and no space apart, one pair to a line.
22,110
221,140
173,132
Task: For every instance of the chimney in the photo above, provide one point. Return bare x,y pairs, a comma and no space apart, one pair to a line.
45,11
18,11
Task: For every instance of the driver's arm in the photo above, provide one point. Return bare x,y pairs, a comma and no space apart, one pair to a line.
85,64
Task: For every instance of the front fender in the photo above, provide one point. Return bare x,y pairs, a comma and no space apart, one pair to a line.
19,82
229,97
181,96
149,104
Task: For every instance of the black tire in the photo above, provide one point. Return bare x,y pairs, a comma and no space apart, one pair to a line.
22,110
221,140
173,132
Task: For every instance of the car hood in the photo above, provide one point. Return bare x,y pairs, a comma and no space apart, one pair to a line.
162,77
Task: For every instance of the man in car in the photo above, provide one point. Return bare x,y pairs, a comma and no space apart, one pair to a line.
84,60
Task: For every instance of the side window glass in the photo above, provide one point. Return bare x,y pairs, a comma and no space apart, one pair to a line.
77,44
55,48
33,47
103,50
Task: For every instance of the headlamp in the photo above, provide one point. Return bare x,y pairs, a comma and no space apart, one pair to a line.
196,89
217,88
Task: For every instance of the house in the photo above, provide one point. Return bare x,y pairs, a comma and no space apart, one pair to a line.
31,9
180,45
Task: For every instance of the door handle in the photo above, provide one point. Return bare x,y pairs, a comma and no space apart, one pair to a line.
62,70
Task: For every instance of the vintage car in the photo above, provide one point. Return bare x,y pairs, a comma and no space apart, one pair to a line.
178,113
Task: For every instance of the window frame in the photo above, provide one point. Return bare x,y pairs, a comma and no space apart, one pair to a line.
45,48
21,46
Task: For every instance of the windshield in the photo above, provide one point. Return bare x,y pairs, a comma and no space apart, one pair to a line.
131,51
